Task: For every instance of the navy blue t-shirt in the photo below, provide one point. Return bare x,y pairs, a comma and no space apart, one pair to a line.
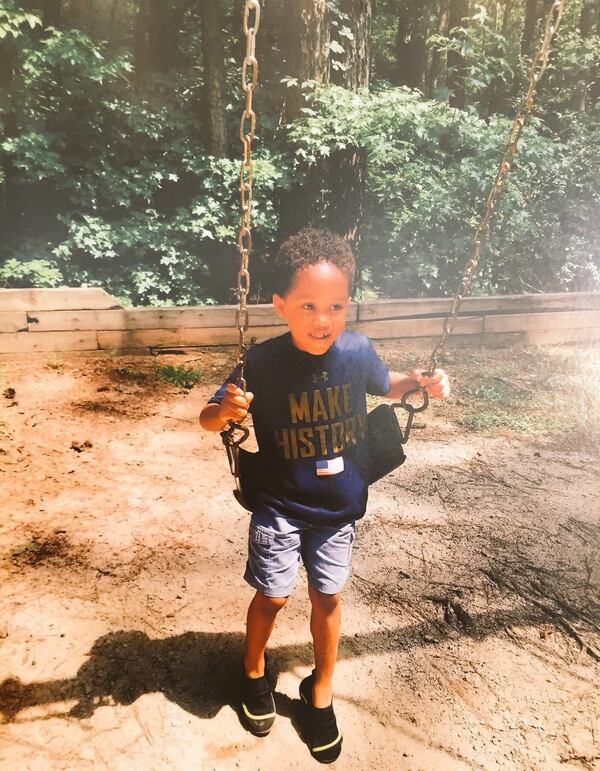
310,421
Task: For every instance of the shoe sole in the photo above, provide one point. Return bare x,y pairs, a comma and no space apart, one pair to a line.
316,756
247,721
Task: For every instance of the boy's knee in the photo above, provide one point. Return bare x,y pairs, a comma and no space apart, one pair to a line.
326,602
272,604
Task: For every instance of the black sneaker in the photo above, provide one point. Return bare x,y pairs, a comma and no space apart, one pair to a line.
257,707
323,736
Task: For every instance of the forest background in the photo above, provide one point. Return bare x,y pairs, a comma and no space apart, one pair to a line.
381,119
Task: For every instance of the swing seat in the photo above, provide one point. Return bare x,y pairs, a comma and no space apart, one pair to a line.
385,440
385,453
248,481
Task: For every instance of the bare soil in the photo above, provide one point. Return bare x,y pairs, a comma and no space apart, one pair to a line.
471,622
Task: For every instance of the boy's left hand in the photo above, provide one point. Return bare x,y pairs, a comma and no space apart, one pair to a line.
437,385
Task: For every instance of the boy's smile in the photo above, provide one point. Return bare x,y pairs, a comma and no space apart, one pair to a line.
315,307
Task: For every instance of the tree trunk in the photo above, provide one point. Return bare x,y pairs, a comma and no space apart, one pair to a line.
456,63
163,24
52,13
506,14
347,168
532,16
155,37
9,211
140,42
347,173
112,24
357,60
213,55
586,30
411,51
80,14
435,68
309,48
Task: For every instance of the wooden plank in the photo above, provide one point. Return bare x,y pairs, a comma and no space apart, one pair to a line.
198,316
558,336
157,318
533,303
422,346
32,342
393,328
76,321
537,321
586,335
13,322
67,298
387,309
262,315
177,338
500,339
373,310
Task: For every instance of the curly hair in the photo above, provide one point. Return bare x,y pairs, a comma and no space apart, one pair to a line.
309,247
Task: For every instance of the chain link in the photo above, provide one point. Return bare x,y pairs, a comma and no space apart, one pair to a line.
536,70
247,132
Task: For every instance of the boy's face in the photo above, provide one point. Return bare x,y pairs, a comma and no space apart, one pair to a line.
315,307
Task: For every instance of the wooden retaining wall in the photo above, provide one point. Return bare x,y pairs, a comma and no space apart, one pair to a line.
64,320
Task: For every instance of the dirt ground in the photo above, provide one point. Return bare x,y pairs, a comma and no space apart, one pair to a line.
471,634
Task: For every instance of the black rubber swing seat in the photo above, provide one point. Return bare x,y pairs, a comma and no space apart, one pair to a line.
385,453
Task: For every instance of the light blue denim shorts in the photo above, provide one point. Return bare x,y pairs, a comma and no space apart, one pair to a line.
277,544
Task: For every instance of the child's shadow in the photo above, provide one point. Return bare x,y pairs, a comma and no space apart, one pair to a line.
199,671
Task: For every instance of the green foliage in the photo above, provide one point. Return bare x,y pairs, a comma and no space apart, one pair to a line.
491,57
179,375
549,391
502,419
429,169
142,210
106,180
15,274
13,20
497,390
573,68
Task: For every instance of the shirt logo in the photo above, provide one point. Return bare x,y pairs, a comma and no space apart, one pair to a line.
327,468
322,424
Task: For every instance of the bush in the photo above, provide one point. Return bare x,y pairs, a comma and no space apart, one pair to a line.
429,170
114,188
131,202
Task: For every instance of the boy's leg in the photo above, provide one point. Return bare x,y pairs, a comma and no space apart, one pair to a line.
271,569
325,622
257,702
326,552
259,625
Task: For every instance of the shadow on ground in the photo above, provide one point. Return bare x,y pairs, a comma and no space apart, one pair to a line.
200,671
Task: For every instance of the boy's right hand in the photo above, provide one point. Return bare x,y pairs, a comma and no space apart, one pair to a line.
235,403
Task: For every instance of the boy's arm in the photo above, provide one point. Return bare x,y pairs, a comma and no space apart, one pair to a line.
234,406
437,385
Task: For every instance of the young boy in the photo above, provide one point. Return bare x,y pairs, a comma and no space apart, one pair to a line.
306,392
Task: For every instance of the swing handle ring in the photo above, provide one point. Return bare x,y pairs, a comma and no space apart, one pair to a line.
228,434
410,409
406,405
232,445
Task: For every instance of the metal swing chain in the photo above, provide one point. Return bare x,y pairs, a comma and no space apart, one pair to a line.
536,70
247,132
